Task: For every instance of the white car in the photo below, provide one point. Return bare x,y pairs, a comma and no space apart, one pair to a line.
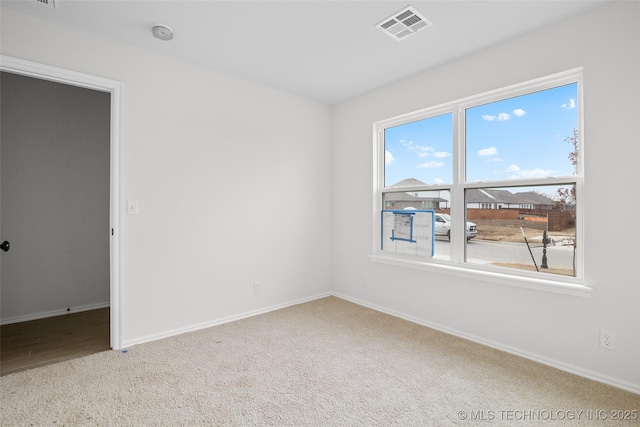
443,227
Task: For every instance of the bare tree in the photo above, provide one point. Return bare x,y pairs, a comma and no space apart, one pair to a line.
566,197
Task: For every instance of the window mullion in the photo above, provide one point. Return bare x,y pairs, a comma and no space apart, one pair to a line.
457,191
534,187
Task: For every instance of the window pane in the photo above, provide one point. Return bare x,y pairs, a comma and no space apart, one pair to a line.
502,215
524,137
438,201
419,152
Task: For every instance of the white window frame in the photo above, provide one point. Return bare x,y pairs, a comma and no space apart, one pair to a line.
457,265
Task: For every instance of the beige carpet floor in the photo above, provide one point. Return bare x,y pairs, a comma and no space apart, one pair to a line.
324,363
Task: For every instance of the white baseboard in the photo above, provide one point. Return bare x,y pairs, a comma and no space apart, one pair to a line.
572,369
615,382
221,321
44,315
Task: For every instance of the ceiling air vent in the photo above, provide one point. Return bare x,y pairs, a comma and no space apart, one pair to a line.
48,3
404,23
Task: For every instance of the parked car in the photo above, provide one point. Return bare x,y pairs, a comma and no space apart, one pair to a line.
443,227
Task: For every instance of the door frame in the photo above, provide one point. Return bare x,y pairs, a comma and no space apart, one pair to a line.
74,78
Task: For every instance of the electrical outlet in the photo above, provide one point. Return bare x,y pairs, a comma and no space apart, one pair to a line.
364,282
607,340
257,287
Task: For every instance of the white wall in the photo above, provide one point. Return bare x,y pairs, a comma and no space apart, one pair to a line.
556,329
55,198
218,164
232,178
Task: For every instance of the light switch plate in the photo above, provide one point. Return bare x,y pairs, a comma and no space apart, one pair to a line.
132,207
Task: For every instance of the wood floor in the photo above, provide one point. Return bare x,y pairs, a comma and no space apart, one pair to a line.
42,342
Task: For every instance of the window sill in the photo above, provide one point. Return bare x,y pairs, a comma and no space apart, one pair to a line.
545,285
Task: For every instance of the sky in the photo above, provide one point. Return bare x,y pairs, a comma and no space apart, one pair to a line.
521,137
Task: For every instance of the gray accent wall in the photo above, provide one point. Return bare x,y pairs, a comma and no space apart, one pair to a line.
55,197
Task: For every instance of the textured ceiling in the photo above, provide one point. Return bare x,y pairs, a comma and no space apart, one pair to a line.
325,50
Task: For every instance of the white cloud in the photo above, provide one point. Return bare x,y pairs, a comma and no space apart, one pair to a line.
388,157
535,173
530,173
441,154
570,105
422,150
438,181
491,151
502,117
432,164
494,159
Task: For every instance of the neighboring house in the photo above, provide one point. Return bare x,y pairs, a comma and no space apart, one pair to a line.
416,199
476,199
504,199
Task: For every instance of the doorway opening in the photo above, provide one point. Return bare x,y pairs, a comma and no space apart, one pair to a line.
105,315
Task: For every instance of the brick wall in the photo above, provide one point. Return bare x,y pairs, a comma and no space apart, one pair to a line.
557,220
487,214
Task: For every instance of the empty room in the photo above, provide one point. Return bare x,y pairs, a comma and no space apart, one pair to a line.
319,213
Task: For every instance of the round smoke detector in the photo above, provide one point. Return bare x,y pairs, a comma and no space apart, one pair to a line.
162,32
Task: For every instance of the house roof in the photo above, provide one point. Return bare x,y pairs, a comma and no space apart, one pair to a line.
505,196
476,195
408,182
406,197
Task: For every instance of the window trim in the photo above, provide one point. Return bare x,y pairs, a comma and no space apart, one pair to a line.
503,277
457,265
